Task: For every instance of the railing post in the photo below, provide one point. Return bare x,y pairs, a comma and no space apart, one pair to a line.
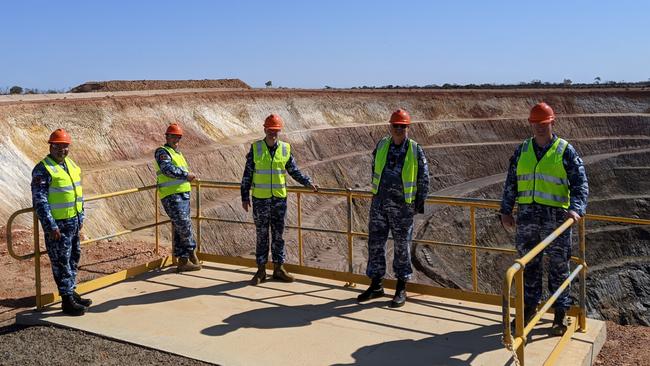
299,204
157,213
582,317
472,222
198,216
349,230
519,313
37,263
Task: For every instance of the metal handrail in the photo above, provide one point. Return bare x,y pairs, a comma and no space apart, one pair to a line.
517,269
514,272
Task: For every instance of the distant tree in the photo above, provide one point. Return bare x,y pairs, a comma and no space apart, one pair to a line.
15,90
269,84
536,82
597,80
567,82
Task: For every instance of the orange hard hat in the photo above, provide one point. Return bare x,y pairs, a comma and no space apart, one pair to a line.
59,136
174,129
273,122
541,113
400,117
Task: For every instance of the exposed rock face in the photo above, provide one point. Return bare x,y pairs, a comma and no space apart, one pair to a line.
468,138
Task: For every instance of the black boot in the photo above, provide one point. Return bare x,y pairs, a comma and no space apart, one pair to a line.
260,275
529,313
400,295
70,307
375,290
80,300
558,328
280,273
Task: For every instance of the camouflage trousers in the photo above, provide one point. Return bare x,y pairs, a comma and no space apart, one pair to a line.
396,217
534,223
269,212
64,255
177,208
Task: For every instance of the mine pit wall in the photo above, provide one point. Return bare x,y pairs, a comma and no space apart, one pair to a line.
468,138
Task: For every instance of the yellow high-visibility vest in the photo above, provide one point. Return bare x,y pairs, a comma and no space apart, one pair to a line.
543,181
167,185
65,195
269,175
409,170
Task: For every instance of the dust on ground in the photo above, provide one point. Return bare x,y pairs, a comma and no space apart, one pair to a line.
38,345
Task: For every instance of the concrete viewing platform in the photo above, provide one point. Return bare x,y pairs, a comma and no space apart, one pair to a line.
214,315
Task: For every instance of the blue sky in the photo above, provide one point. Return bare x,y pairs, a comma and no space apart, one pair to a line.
310,44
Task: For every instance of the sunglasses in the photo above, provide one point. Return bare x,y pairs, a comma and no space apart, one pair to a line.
399,127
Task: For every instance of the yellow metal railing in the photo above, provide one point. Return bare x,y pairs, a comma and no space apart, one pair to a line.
515,272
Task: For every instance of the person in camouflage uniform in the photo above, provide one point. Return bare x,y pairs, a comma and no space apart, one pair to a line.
57,198
400,185
173,179
266,164
547,179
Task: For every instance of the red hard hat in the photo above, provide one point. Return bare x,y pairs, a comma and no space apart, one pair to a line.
59,136
174,129
541,113
400,117
273,122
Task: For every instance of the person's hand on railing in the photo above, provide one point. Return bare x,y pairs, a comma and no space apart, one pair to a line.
573,215
314,187
56,234
190,177
508,221
245,205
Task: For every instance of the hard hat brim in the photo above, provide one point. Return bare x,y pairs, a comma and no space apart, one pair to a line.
544,121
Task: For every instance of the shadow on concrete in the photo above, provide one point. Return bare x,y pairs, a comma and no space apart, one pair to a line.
453,348
172,294
289,316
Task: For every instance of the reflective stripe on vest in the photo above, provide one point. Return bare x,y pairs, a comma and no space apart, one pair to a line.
409,169
167,185
544,182
65,194
269,175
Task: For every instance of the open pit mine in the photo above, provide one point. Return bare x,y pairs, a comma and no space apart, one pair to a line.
468,138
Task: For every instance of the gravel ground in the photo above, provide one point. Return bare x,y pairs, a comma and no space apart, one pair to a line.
33,346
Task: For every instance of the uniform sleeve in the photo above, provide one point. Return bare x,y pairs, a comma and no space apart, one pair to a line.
577,176
247,178
295,173
422,181
510,187
164,161
41,181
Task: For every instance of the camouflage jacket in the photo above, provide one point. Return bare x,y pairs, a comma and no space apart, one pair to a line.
41,180
576,175
164,161
391,187
291,167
